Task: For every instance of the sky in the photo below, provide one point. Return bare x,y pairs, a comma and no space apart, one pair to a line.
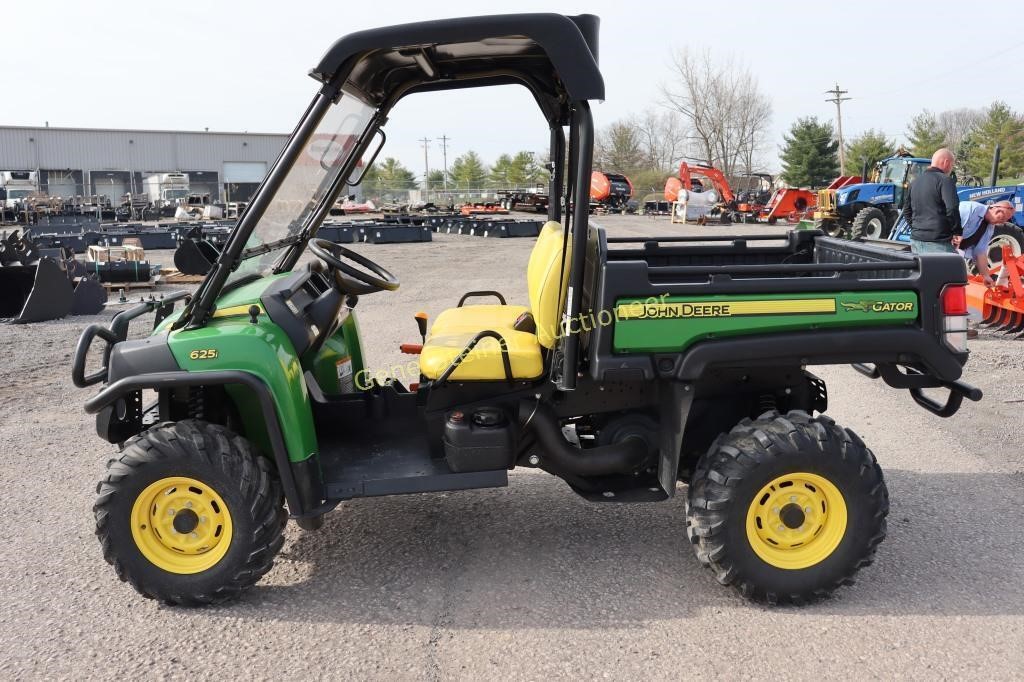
241,66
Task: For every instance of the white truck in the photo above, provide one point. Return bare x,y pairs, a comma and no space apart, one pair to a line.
16,186
166,189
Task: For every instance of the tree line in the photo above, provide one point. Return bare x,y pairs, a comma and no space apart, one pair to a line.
810,152
467,171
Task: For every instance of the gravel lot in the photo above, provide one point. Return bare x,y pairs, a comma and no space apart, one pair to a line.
527,581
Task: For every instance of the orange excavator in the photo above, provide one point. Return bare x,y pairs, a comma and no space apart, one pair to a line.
704,203
1002,306
686,181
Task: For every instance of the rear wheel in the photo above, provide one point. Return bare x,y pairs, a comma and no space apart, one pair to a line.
787,508
871,223
189,513
1008,234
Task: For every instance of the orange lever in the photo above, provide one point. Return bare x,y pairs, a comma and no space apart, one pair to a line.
411,348
421,322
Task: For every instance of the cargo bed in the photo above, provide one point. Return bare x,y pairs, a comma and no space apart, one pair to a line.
741,269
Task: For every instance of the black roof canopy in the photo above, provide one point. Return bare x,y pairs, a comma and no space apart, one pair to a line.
555,56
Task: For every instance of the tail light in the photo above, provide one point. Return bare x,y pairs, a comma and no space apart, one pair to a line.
954,316
954,299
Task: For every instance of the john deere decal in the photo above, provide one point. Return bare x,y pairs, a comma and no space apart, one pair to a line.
649,311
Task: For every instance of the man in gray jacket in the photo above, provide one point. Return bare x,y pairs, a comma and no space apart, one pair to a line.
932,208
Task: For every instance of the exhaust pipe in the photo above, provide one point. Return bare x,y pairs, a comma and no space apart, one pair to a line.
558,455
995,166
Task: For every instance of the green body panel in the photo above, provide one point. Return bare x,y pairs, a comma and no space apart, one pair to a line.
340,360
680,327
232,342
244,295
353,341
250,293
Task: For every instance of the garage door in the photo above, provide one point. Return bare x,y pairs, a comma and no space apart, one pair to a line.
244,171
61,185
115,188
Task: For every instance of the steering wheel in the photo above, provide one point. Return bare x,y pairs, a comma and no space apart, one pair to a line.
348,279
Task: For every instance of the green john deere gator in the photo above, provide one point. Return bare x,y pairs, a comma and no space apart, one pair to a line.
635,365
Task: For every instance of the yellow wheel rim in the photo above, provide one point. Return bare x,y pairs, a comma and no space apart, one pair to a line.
181,525
796,521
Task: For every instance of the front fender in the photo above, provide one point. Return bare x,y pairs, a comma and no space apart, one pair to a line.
160,381
264,351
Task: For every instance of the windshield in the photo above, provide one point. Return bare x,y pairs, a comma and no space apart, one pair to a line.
893,172
308,181
18,193
176,193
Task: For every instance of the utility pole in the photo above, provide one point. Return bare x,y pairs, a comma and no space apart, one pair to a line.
444,152
838,99
426,164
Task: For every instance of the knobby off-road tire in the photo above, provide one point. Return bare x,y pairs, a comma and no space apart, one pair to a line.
189,513
832,228
870,222
748,477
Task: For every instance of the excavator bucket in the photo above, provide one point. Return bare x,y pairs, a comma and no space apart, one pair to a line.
89,296
1001,307
34,293
195,255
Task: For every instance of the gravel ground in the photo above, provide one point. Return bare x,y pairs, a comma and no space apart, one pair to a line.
527,581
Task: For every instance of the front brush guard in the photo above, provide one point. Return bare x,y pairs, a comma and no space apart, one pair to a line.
116,333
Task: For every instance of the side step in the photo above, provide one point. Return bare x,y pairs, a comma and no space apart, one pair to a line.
352,486
375,463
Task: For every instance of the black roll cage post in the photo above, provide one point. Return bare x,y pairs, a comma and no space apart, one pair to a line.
581,148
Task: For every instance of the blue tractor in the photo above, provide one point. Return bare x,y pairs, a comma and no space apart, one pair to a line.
869,209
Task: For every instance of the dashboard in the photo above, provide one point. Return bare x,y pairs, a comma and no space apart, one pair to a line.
306,305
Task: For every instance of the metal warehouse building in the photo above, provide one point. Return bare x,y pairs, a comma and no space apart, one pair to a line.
85,161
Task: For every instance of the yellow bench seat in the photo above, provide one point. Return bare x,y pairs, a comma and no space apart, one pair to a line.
456,327
484,362
476,317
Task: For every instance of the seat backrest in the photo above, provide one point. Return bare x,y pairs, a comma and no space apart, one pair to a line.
543,277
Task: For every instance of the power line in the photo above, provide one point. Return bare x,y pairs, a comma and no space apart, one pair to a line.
838,99
444,152
943,74
426,164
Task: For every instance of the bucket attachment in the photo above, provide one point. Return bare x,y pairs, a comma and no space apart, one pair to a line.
1001,307
34,293
195,255
16,250
89,297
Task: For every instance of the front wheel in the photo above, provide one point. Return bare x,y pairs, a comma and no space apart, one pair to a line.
189,514
832,228
871,223
787,508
